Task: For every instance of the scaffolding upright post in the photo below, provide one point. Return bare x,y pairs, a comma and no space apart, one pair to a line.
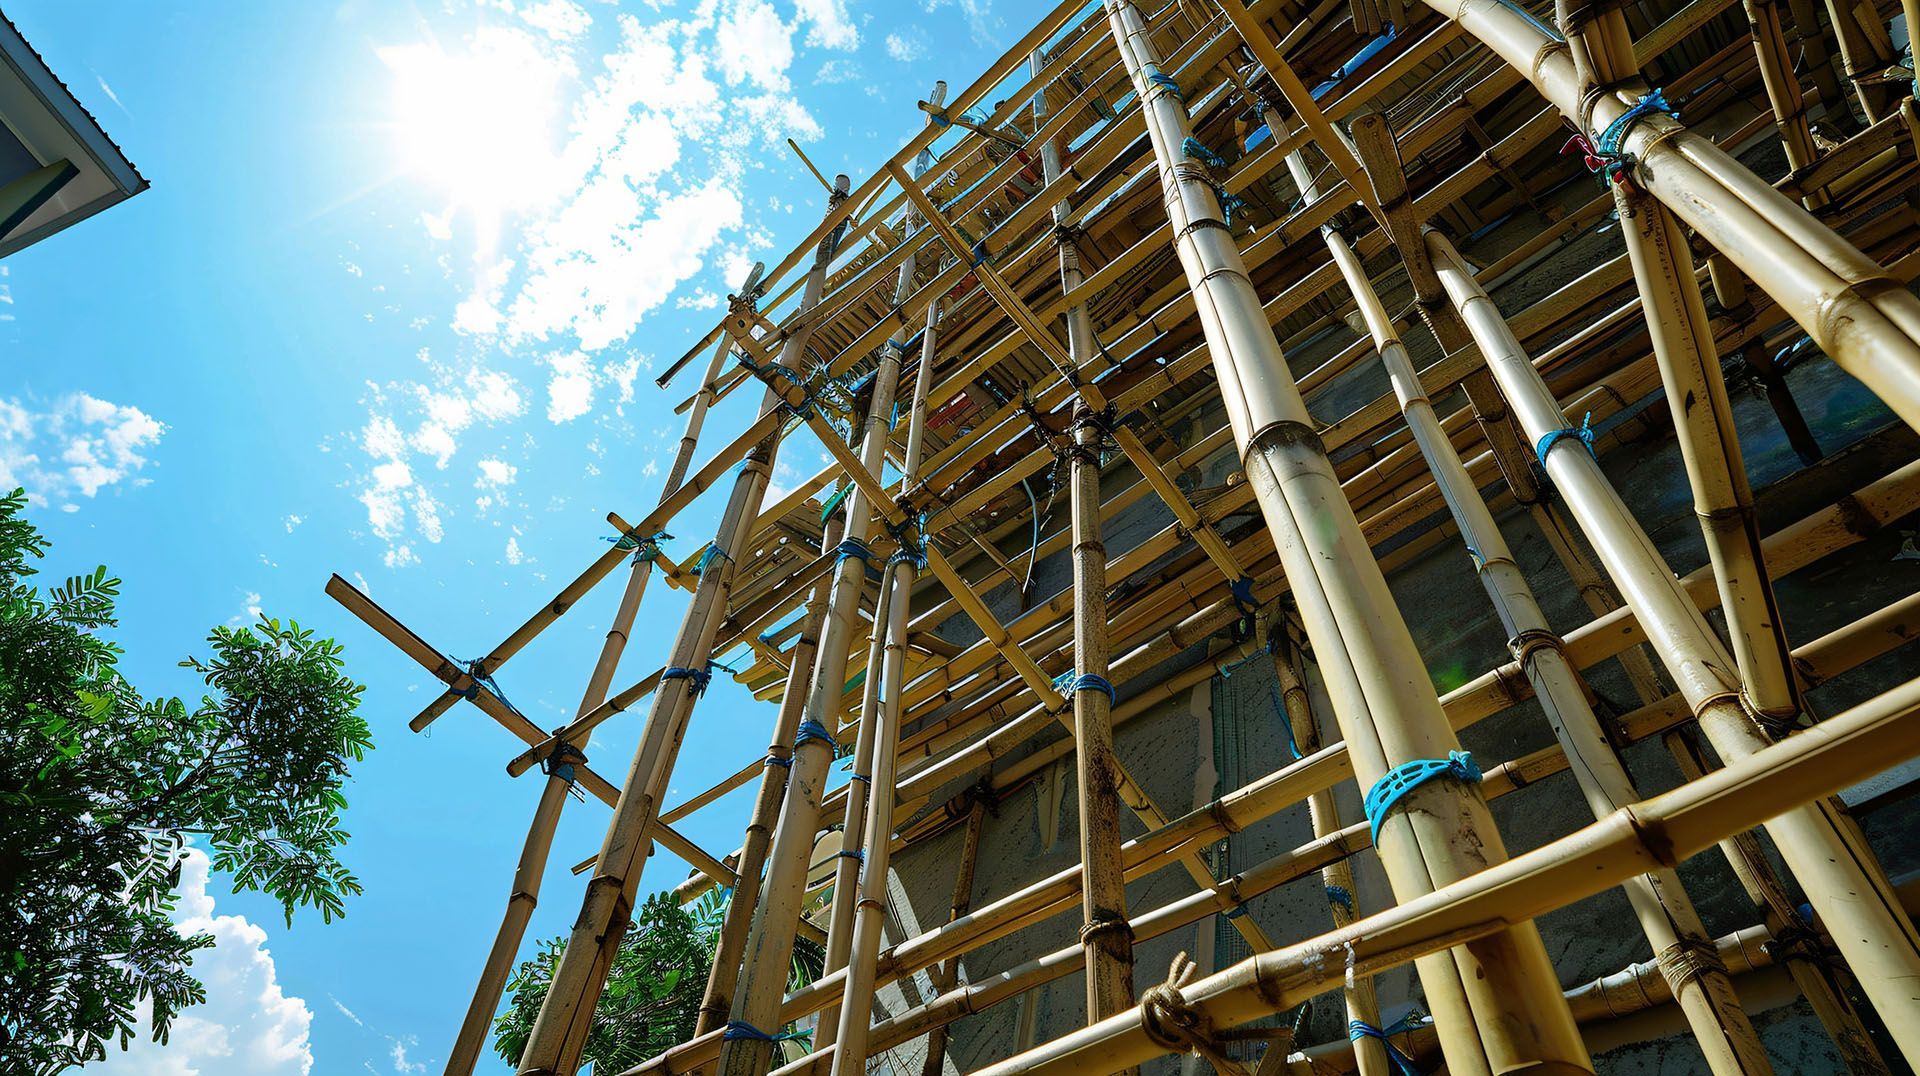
1386,707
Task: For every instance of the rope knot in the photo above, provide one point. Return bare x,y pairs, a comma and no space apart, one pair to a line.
1166,1017
1687,960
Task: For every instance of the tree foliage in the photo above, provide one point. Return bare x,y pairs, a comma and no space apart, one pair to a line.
652,998
101,789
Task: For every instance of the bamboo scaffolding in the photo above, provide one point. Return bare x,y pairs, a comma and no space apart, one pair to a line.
1390,718
1660,902
1840,877
560,1030
1650,835
1057,177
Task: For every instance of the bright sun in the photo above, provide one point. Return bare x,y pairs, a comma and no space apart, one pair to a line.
478,124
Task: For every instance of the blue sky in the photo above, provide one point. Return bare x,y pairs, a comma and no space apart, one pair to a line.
390,309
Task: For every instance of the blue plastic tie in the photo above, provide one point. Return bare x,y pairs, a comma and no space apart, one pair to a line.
1608,147
865,777
1237,911
738,1030
472,691
1360,1029
855,549
1582,433
713,553
1197,149
810,731
1071,683
1167,82
644,549
559,762
696,678
1404,778
776,760
1337,894
855,854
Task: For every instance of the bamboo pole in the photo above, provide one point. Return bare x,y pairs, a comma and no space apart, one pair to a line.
559,1032
1821,659
724,976
1105,935
1654,834
868,747
946,974
1386,708
1343,897
471,1039
1676,315
1860,317
883,721
1659,901
1840,878
749,1047
1831,654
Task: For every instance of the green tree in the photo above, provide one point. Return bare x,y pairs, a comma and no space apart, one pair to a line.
652,997
101,789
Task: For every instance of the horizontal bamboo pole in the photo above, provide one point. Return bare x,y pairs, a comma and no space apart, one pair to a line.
1660,832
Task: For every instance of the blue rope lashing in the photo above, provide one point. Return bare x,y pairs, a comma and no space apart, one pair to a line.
739,1030
713,553
644,549
559,762
696,678
1582,433
1229,202
1609,146
855,549
472,668
776,760
812,731
856,854
867,778
1286,721
911,534
1071,683
1360,1029
1404,778
1198,150
1479,561
1166,82
1338,894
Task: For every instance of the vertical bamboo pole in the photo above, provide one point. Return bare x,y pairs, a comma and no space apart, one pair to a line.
946,974
748,1045
903,571
725,974
1680,942
1782,85
560,1030
1696,393
1343,897
528,874
1105,934
1385,704
1845,886
860,788
1379,153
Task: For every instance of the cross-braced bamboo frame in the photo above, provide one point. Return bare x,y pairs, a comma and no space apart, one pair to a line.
1087,259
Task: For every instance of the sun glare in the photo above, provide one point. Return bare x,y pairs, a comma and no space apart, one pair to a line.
479,124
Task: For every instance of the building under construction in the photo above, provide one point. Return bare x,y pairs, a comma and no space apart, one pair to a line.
1360,537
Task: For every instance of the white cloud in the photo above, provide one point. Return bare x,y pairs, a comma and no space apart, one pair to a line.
248,1024
495,474
561,19
291,522
399,1053
79,446
513,553
907,47
249,611
570,391
828,25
